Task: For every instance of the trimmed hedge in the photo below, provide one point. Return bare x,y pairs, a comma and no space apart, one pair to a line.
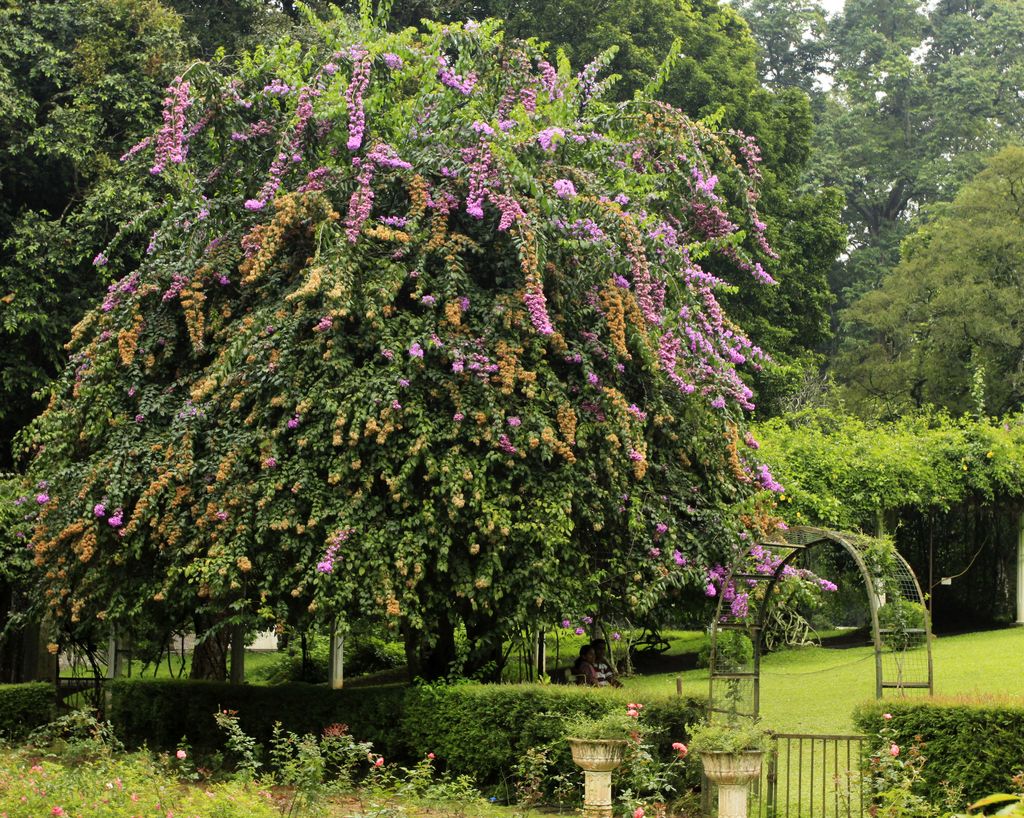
24,707
159,712
977,745
476,730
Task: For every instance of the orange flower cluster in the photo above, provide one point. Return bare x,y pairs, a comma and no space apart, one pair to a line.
549,437
417,196
192,300
615,316
128,340
507,366
732,437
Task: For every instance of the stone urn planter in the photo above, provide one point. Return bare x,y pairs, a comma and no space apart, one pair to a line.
733,773
597,758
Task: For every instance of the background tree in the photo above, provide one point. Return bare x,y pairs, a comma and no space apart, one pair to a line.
454,358
791,39
944,327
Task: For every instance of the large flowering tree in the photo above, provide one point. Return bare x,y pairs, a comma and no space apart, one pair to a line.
423,332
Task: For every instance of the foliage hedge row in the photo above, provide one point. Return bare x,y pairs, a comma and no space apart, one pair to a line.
25,706
976,745
477,730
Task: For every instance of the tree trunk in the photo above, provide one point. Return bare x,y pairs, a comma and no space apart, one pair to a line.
486,649
431,658
210,656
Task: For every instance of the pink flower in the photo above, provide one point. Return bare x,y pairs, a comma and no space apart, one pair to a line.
638,812
43,498
894,750
181,755
633,713
379,762
887,716
680,748
57,811
458,417
431,756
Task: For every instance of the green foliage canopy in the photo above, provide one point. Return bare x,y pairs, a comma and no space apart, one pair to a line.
454,340
839,471
79,82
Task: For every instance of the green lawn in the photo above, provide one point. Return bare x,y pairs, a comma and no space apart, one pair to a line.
815,689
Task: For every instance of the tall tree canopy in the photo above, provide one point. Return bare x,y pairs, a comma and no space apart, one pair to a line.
945,327
425,330
715,77
919,94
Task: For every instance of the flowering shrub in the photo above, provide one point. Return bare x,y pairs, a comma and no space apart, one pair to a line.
411,339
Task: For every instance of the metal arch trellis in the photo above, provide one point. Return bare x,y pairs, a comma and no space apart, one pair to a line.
900,625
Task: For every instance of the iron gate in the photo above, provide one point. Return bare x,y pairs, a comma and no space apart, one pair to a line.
812,776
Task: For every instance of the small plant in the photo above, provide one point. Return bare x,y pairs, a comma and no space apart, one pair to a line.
617,726
78,736
734,736
242,746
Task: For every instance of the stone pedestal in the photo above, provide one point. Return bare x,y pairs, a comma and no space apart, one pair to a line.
597,758
733,773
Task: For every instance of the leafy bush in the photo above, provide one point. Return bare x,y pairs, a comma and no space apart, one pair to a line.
973,745
24,707
486,730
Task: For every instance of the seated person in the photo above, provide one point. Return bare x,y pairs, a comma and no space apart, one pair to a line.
602,667
583,671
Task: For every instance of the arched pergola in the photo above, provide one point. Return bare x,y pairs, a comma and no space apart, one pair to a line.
900,625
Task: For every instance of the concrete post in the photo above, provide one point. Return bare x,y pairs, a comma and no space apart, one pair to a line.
115,655
238,654
336,657
1020,572
597,793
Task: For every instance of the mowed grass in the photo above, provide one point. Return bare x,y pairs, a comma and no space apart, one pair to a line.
814,690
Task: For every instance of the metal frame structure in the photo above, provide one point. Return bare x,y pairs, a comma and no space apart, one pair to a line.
732,684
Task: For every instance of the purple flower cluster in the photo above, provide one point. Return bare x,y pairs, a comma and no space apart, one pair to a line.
564,188
549,137
766,481
326,564
393,61
277,88
290,154
506,445
537,306
464,85
354,97
170,139
549,81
